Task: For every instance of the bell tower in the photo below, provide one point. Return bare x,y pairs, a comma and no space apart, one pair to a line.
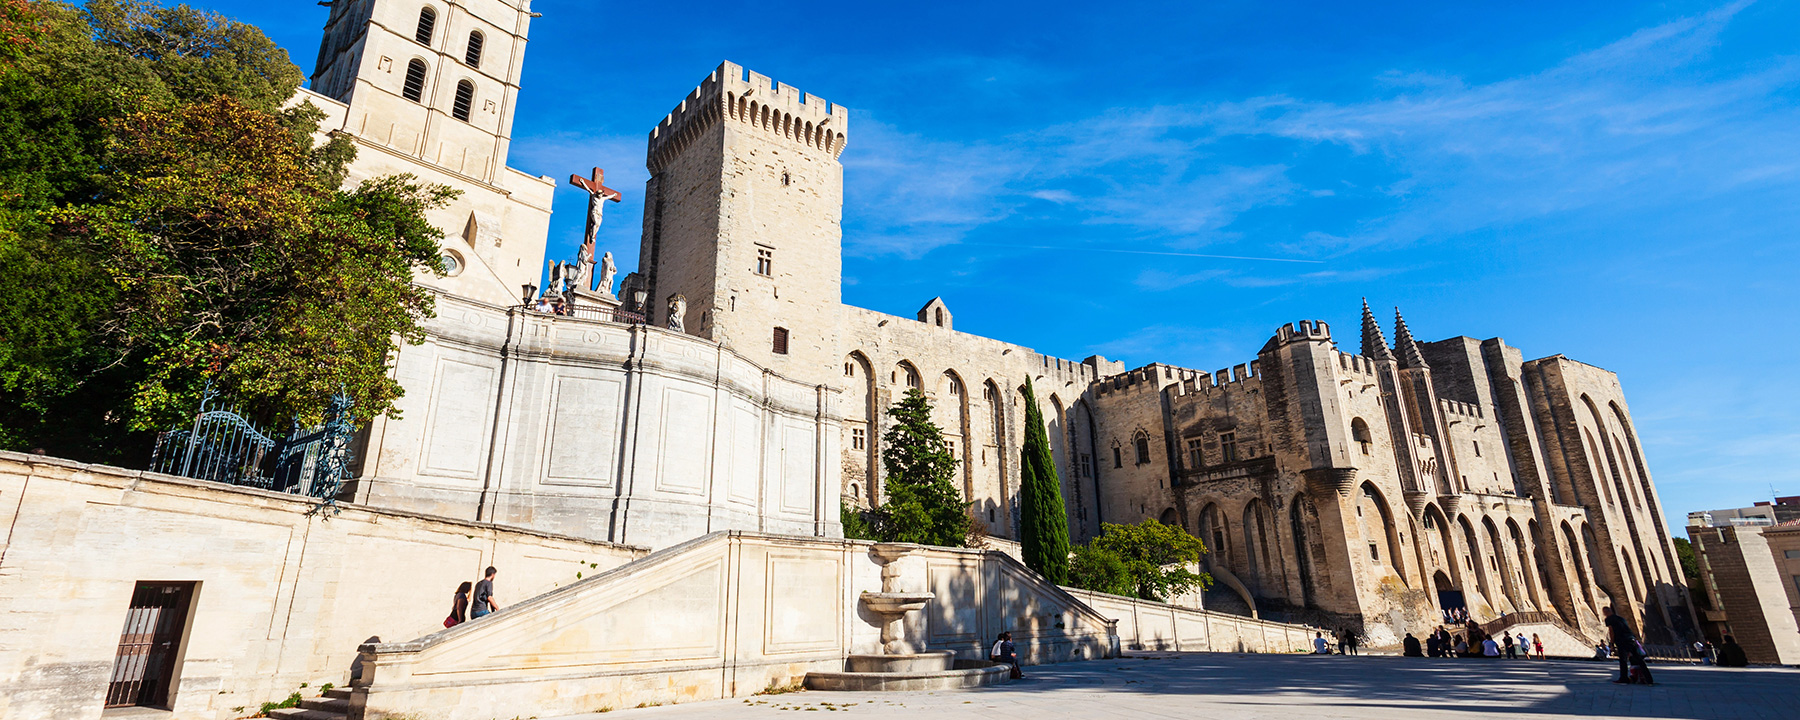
428,87
741,219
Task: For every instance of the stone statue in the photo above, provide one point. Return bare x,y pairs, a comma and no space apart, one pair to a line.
607,270
584,264
677,311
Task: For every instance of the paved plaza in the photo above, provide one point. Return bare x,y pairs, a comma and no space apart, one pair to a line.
1221,685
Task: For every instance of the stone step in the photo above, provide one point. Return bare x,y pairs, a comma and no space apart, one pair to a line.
328,704
341,693
304,714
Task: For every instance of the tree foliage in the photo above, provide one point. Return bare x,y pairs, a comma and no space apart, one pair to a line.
1149,560
1043,520
922,503
167,224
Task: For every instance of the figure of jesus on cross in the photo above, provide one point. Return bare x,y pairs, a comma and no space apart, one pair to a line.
598,194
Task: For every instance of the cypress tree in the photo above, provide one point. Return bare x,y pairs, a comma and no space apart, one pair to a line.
1043,521
923,505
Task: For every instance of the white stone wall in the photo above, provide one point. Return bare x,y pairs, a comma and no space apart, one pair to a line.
284,594
630,433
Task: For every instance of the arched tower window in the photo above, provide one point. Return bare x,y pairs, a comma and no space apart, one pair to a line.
472,55
414,89
1359,430
465,97
1142,442
427,24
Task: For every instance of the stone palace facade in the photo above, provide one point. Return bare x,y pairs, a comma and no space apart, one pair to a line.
1377,485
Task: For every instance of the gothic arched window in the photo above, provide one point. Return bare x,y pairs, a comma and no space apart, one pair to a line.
472,56
415,81
427,25
465,98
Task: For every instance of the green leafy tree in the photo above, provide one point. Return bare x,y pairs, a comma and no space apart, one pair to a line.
923,504
1151,559
1043,520
166,223
857,523
1100,570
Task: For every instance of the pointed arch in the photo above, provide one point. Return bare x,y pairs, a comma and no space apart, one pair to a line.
1473,562
1255,524
1501,563
1524,564
905,376
1383,532
1582,573
1298,528
861,430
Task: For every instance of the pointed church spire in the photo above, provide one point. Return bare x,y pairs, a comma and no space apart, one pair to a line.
1375,345
1408,348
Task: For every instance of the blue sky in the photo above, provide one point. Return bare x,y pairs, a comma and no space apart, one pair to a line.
1619,183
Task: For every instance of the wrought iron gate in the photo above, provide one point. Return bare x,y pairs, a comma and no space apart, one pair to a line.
222,446
145,663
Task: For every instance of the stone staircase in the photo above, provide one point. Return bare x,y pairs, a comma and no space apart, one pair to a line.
333,705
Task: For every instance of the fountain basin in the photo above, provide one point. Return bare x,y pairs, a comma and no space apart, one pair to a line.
962,674
930,661
895,603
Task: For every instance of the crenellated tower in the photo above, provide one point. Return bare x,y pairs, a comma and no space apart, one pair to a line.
741,220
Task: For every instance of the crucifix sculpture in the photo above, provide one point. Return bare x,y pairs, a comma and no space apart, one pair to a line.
598,194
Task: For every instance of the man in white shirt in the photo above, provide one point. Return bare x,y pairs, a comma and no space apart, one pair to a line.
1320,647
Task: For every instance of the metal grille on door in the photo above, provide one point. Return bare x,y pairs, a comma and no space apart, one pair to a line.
144,669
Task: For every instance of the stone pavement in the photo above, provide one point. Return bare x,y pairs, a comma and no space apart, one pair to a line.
1223,685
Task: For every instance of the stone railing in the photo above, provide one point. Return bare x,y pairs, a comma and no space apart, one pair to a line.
1146,625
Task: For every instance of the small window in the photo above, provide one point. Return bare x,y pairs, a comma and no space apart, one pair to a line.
859,439
465,97
955,386
1086,470
940,316
781,341
472,56
1477,448
991,519
1143,449
414,89
785,178
427,24
912,376
765,261
849,369
950,445
1196,458
1118,458
1228,447
1430,524
1374,552
1359,431
1791,554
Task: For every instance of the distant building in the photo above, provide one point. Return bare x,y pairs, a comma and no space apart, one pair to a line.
1750,572
1783,509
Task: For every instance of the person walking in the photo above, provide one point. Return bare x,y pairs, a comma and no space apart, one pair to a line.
459,606
1350,640
1004,652
1623,642
484,595
1511,654
1537,644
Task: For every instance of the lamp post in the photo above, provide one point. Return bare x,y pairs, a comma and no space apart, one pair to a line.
638,297
530,292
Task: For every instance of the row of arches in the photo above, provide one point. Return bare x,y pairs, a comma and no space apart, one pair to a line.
974,419
784,124
1472,557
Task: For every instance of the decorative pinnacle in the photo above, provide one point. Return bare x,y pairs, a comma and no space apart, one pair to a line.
1410,357
1374,344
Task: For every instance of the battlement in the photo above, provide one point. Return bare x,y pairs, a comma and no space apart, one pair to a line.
1454,407
1304,330
756,101
1068,371
1355,364
1150,377
1236,377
